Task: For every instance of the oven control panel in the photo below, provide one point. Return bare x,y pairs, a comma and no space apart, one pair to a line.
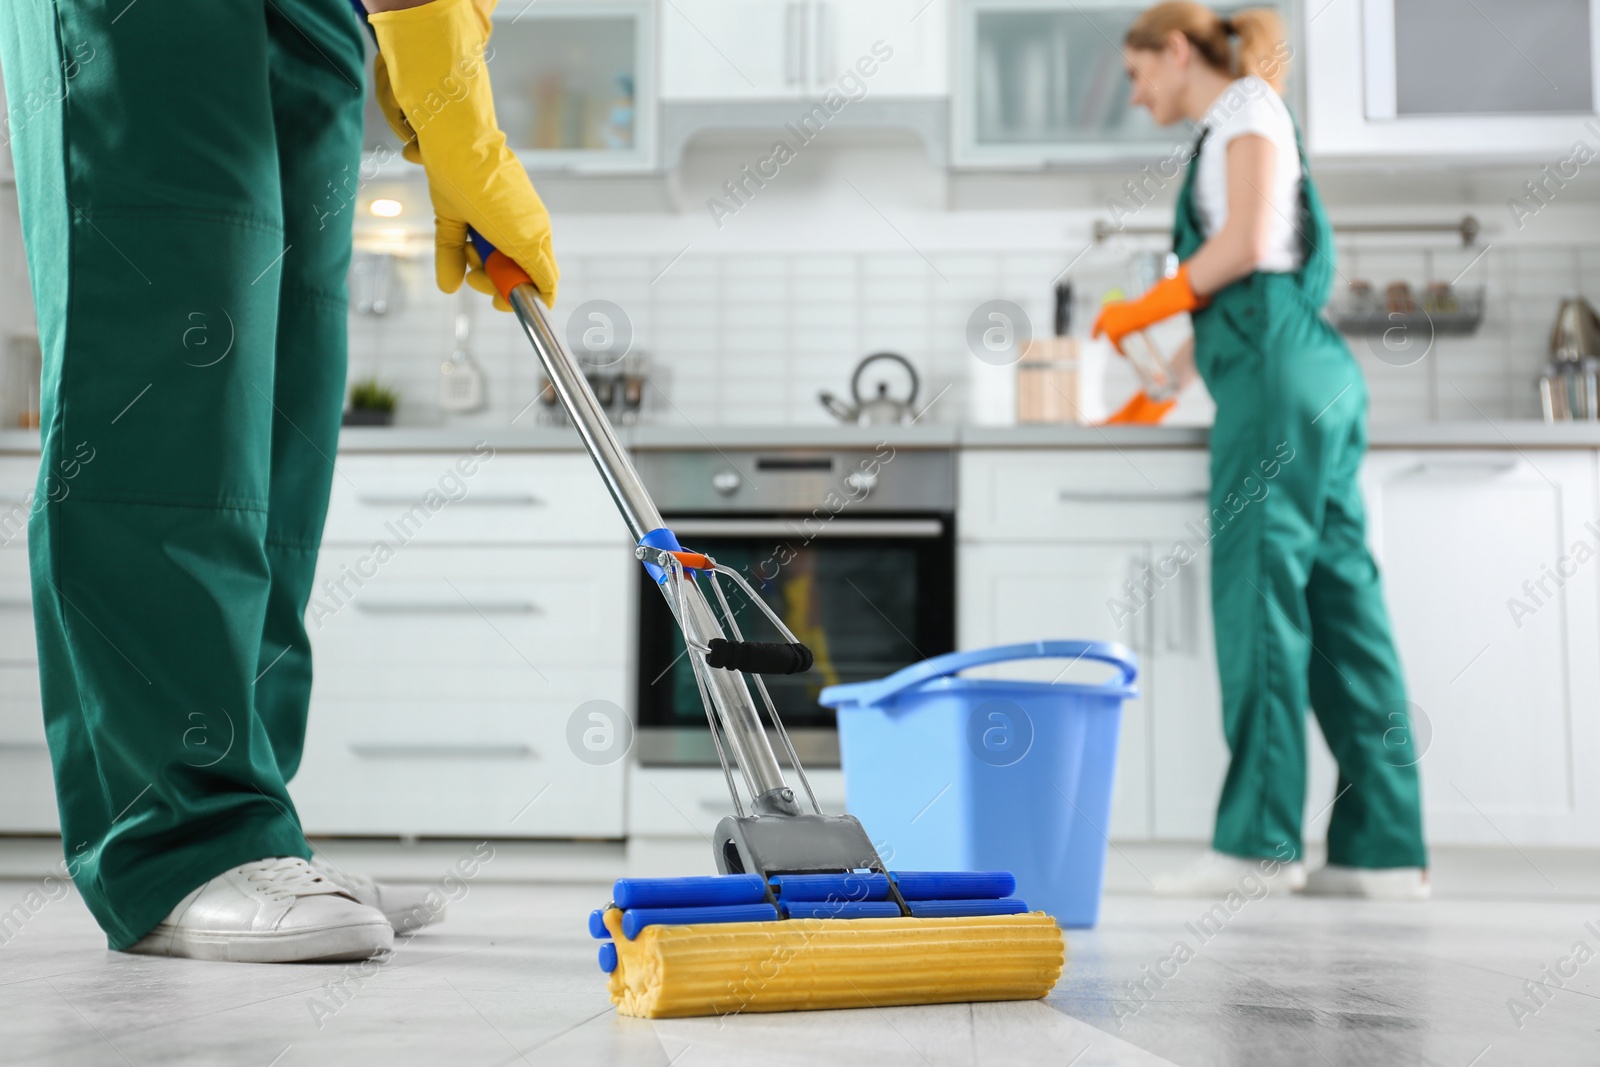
882,478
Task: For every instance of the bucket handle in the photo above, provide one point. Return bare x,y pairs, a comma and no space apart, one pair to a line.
1117,655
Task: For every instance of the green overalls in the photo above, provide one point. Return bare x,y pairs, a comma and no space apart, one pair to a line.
1295,594
186,171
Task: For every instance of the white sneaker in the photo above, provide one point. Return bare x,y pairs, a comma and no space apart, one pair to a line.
1212,873
276,910
406,907
1375,883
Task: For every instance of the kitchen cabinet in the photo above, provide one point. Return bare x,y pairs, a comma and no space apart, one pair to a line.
1051,543
732,49
449,667
1493,79
1038,82
916,32
1012,592
1059,545
575,83
27,790
750,50
1489,559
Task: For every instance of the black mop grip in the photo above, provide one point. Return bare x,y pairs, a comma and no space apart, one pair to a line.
758,657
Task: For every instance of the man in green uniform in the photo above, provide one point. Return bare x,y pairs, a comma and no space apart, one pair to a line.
173,171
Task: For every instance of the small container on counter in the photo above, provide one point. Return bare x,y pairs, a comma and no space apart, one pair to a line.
1050,375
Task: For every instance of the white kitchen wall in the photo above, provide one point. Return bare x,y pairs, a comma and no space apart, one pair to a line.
751,337
857,249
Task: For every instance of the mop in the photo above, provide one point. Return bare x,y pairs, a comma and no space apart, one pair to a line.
804,913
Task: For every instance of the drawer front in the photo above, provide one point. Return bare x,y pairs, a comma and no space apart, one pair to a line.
18,474
27,790
1051,495
16,609
465,610
21,710
468,764
470,498
689,801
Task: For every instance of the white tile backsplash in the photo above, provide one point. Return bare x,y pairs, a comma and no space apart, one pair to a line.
751,337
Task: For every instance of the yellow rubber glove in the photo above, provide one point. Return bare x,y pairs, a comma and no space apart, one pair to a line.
1166,298
433,56
385,92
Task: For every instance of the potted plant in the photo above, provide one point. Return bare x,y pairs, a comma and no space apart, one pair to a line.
371,404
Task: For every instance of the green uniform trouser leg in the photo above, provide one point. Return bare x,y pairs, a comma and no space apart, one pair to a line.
1298,605
188,271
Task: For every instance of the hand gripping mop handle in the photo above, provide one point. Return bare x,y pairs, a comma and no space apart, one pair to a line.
885,689
728,693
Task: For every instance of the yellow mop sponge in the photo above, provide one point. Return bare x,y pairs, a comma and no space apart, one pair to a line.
799,964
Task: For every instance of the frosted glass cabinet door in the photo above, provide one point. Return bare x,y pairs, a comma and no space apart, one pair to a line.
574,83
1040,81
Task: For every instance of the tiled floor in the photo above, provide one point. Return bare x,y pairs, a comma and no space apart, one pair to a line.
511,979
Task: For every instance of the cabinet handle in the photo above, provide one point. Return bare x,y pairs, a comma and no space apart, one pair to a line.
17,603
1181,623
23,746
480,500
794,42
1461,466
442,750
1118,496
447,607
823,46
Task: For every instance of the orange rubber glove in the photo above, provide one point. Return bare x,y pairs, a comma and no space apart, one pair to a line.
1165,299
1141,411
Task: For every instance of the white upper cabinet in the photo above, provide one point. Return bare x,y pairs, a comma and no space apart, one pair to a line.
1487,79
1040,82
905,40
741,50
732,49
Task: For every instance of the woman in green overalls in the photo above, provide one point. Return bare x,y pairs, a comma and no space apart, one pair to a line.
1299,610
187,174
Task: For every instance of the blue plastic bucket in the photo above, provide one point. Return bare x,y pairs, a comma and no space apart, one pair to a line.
951,774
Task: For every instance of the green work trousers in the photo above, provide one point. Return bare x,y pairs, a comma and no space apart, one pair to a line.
1298,604
186,171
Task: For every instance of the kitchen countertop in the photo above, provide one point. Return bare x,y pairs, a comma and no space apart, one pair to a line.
1515,434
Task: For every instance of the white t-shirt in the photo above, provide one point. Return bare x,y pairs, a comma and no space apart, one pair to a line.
1249,106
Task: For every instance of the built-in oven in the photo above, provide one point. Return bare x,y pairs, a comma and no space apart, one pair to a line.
854,549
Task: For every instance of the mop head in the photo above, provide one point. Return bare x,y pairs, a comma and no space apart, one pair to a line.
665,970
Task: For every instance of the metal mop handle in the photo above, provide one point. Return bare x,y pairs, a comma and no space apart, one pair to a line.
735,708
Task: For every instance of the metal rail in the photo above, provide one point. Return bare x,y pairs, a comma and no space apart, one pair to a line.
1467,229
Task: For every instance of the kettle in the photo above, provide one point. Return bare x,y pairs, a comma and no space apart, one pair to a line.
879,408
1576,335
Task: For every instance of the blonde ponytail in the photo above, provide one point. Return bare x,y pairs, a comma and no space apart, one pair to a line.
1262,46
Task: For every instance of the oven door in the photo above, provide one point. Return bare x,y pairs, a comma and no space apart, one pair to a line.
869,596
